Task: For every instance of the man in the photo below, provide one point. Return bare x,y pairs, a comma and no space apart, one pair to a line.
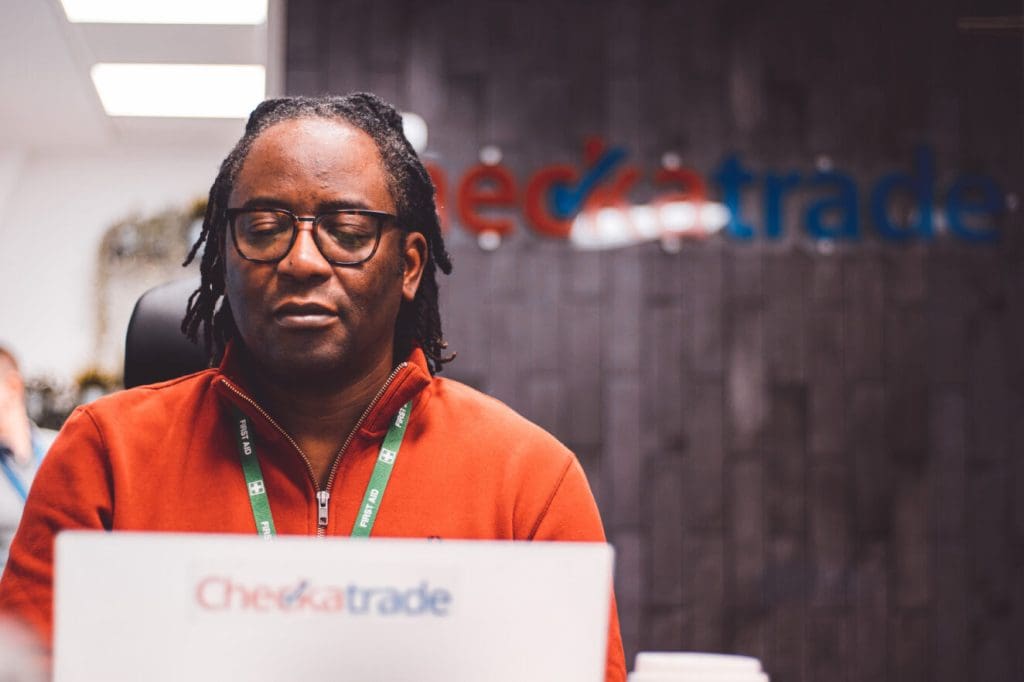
319,300
22,446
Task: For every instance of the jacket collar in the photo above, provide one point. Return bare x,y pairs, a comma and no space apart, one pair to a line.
409,379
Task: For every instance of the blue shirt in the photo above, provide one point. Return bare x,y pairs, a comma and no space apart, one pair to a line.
15,480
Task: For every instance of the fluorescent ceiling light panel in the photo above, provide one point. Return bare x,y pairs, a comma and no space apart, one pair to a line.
166,11
180,90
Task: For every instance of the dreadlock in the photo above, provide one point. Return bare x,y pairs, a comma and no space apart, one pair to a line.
419,322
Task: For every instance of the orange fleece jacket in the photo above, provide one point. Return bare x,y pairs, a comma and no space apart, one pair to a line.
164,457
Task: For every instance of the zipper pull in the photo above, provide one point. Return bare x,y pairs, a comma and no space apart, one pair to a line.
322,498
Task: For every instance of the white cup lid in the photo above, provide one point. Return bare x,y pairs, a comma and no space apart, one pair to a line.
695,676
698,667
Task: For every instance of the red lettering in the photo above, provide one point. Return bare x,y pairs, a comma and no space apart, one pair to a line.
490,186
691,186
206,592
593,148
613,194
333,600
263,597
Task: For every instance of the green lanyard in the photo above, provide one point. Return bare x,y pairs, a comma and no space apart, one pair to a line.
261,513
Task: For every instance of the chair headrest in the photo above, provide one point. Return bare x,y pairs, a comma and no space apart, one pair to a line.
155,349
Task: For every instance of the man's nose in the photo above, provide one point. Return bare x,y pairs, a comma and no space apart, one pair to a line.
304,258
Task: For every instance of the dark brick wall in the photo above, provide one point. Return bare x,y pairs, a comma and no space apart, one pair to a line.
811,455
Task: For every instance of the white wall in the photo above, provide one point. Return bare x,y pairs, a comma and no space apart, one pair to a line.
57,208
68,171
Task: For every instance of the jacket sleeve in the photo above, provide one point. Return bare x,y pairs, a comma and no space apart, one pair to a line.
71,490
571,515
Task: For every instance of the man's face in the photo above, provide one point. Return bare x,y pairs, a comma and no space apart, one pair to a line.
303,319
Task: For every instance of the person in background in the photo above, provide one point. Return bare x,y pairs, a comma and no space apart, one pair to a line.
22,446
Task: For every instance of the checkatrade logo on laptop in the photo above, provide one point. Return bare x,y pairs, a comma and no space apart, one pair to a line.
226,594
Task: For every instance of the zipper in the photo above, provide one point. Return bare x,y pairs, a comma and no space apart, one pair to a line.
323,495
322,498
321,529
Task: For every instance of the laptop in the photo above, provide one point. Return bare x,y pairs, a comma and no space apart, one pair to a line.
159,606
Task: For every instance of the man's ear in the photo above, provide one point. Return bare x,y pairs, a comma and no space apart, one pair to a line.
414,259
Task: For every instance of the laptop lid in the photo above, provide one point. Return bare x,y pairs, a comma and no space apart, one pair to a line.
160,606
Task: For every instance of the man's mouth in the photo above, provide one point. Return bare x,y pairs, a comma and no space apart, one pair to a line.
295,315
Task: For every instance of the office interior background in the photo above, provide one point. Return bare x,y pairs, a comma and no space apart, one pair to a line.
800,412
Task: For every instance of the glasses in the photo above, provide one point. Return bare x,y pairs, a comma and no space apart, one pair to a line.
345,237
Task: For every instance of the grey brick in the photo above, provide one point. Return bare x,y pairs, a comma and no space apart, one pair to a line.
990,565
947,322
663,401
584,274
546,402
747,540
863,285
582,360
704,422
671,629
827,280
622,319
906,334
906,275
622,447
912,659
664,492
872,473
786,632
910,551
662,277
505,371
949,462
630,586
871,594
830,638
703,305
829,516
827,390
785,464
786,341
745,275
951,638
706,566
746,394
988,398
425,66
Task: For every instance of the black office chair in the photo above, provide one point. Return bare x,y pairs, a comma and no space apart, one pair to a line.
155,349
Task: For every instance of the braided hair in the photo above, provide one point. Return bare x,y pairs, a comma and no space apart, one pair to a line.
419,322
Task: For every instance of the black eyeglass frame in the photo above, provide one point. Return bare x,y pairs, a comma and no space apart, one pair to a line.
382,219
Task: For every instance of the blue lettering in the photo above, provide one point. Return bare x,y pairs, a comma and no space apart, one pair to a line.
288,598
974,196
920,185
440,601
415,601
355,605
389,602
775,188
836,216
731,176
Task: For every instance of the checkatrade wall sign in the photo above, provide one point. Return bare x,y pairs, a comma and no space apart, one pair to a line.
594,205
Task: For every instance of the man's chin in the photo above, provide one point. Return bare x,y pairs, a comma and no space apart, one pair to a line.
311,370
312,366
301,368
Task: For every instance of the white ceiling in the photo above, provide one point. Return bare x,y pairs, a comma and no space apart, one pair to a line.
48,99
